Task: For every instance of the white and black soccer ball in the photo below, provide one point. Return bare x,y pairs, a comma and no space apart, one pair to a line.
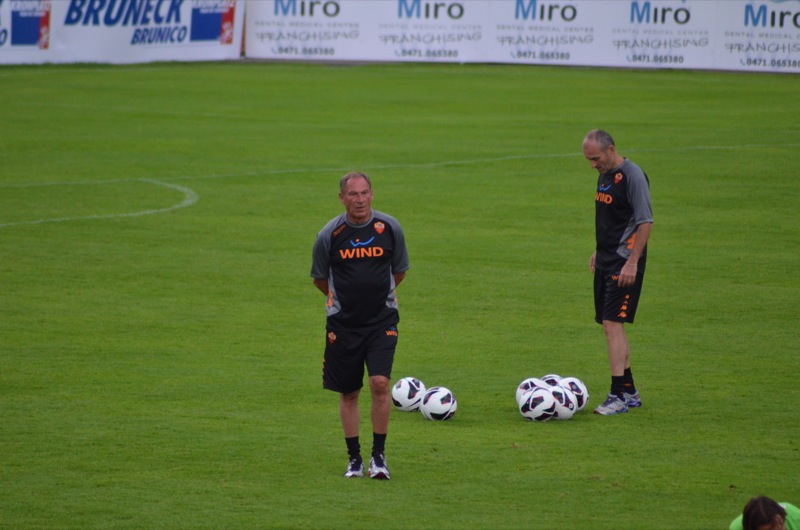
551,379
566,402
407,394
438,404
578,388
528,384
537,405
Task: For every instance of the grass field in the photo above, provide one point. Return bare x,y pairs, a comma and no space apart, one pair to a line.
162,340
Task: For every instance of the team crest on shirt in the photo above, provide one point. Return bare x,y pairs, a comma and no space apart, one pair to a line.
379,227
617,178
331,337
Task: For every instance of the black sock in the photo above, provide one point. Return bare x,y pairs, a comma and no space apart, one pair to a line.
353,447
630,388
378,443
617,384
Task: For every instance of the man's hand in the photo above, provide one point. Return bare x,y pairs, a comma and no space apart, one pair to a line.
321,284
627,276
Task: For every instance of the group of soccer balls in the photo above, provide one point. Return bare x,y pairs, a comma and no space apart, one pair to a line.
538,398
551,396
436,403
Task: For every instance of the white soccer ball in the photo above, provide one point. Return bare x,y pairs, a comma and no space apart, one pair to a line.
438,404
551,379
578,388
407,394
566,402
529,384
538,405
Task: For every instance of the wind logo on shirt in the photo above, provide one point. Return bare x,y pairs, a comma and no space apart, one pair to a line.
361,249
359,243
603,197
360,252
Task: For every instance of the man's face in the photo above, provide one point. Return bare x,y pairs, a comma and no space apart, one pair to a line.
357,200
600,160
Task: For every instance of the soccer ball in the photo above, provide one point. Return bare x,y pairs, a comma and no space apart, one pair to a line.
566,402
578,388
407,394
438,404
529,384
538,405
551,379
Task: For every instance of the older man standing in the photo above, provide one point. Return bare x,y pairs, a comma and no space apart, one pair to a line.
359,258
623,220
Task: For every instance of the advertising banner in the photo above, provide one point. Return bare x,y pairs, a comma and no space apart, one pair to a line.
649,34
531,32
119,31
366,30
691,34
758,36
743,35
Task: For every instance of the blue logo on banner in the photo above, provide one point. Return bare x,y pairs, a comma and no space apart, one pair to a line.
28,20
25,28
206,23
213,20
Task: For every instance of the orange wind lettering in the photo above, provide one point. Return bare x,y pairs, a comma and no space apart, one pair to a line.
368,252
603,197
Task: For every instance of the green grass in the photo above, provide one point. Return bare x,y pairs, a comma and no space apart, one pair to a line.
160,355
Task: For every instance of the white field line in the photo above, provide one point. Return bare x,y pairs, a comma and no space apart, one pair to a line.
189,198
465,162
444,163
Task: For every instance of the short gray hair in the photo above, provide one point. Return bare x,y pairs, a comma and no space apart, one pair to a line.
352,175
603,139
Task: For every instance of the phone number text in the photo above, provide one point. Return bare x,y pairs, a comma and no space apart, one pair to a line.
540,56
656,59
302,50
427,54
771,63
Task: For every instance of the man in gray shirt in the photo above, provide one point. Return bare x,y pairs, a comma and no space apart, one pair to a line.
359,258
623,220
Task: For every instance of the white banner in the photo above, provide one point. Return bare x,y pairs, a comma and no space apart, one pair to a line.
694,34
758,36
119,31
745,35
367,30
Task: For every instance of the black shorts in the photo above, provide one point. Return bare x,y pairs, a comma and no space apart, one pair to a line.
612,302
347,352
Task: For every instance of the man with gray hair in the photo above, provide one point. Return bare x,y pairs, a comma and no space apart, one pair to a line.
623,220
359,258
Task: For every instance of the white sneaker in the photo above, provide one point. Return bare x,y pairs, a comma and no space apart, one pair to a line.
377,467
633,400
355,468
612,405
